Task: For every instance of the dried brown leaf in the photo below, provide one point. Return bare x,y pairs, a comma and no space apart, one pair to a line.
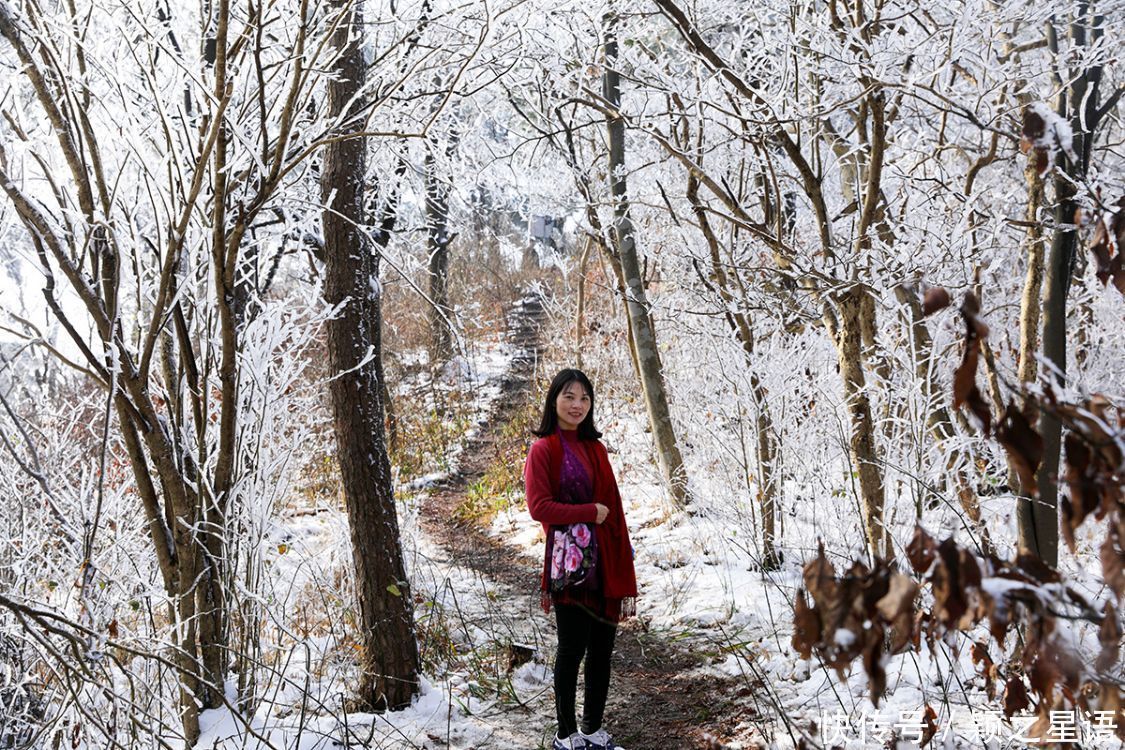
965,389
806,626
1082,483
979,654
1109,635
1034,128
820,577
873,664
1015,697
1035,569
988,669
1106,243
1117,273
896,607
1043,675
970,313
929,729
980,409
964,377
1024,447
999,621
956,584
921,551
936,298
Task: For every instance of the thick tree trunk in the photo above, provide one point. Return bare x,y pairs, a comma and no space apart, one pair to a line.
644,335
389,659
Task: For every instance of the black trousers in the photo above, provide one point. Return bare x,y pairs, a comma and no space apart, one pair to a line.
581,634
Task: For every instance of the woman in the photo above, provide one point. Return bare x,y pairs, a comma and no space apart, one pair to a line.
588,572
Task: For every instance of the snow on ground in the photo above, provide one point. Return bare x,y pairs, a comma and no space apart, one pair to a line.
475,373
430,720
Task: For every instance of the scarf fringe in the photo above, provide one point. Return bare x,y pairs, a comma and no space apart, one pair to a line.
613,610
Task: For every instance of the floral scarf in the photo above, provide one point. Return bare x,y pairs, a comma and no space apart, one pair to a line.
572,550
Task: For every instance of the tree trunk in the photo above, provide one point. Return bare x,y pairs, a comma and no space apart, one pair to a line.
174,567
1033,283
1039,521
1028,364
769,486
769,489
861,440
644,335
437,235
210,597
389,660
622,293
598,233
580,313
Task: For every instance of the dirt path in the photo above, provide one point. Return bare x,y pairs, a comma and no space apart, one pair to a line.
656,700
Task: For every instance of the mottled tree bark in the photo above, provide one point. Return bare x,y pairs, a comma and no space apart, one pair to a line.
861,439
1027,368
389,660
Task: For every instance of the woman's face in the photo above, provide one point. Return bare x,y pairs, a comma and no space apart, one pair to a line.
572,405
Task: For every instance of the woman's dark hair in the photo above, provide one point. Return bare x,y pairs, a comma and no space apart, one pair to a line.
550,421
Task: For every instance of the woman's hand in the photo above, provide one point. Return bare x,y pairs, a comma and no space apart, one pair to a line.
603,511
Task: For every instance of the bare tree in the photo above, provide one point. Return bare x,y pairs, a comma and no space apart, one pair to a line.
847,306
767,445
624,238
1079,105
438,239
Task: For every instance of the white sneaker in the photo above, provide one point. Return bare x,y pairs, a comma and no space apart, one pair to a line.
573,742
599,740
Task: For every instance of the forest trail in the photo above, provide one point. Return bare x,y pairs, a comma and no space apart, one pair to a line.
659,697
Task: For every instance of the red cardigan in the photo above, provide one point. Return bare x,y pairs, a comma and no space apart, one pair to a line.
541,477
